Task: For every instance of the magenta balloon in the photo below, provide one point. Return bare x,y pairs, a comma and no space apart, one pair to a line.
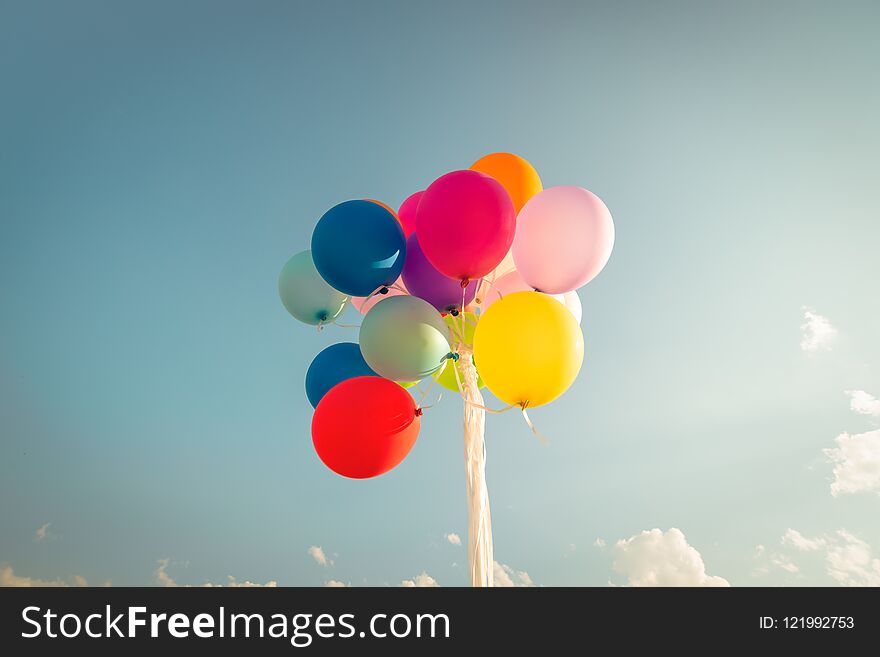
465,223
564,237
363,304
424,281
407,213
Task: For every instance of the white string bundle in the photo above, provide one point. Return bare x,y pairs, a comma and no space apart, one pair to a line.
480,557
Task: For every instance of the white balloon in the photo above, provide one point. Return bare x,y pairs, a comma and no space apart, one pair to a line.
573,302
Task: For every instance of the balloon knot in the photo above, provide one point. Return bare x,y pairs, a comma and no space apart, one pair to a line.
384,290
465,282
419,412
453,356
454,312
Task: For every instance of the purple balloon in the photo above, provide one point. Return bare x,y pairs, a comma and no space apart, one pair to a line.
424,281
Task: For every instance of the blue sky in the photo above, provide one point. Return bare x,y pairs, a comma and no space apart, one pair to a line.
159,162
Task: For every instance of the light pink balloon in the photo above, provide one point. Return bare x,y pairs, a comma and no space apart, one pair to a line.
508,284
564,237
363,304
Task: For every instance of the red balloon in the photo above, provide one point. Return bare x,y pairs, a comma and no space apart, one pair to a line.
406,214
364,426
465,223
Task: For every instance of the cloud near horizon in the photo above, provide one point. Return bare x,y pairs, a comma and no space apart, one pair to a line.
848,559
162,578
657,558
8,579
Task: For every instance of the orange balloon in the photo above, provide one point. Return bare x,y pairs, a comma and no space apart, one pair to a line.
514,173
387,207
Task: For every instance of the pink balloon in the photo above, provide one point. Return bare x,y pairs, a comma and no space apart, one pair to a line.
407,213
465,224
508,284
363,304
564,237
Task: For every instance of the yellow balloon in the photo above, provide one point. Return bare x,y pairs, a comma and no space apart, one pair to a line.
530,348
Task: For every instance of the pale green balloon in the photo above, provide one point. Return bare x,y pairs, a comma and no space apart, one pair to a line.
305,294
404,338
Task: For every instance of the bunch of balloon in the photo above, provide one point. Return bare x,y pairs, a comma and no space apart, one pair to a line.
469,285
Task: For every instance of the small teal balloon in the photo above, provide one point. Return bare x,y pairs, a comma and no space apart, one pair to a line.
404,338
335,364
358,247
305,294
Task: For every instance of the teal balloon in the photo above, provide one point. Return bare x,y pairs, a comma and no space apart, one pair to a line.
337,363
359,247
404,338
305,294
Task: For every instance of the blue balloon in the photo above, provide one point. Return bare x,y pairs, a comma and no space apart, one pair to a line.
335,364
358,247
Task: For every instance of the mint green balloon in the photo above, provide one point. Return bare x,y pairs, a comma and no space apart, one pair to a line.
305,294
404,338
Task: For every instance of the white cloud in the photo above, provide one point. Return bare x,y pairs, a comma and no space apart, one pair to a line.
863,403
782,561
42,533
419,581
599,543
231,582
856,462
851,562
656,558
162,578
8,578
453,538
817,332
317,553
848,560
778,559
335,583
793,538
505,576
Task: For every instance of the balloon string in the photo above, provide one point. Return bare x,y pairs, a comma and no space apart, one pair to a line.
458,381
355,326
481,292
494,287
475,404
378,290
463,329
425,393
497,411
540,436
455,331
395,286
